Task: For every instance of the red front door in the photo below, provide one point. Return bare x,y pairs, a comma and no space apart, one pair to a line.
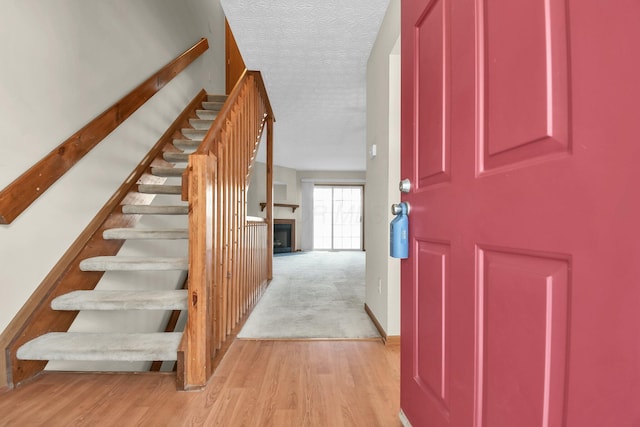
521,137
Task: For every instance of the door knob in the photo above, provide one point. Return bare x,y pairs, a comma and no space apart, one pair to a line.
398,208
405,186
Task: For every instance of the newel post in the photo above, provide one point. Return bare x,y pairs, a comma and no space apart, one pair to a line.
199,329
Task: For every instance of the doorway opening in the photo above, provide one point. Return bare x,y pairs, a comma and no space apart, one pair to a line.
337,217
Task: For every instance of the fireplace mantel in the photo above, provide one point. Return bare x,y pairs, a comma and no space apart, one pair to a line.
283,205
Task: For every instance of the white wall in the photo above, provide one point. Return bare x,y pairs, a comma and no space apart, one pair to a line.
333,177
383,171
64,63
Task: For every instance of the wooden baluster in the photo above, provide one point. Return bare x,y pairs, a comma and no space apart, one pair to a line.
250,154
247,258
223,163
247,250
241,219
234,206
222,221
250,266
242,244
269,196
236,178
217,253
215,256
260,243
229,163
236,219
256,263
230,226
245,174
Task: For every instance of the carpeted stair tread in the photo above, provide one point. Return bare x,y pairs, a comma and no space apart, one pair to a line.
187,144
201,123
193,133
122,300
212,105
159,189
155,209
173,157
189,141
145,233
206,114
216,98
102,346
166,172
122,263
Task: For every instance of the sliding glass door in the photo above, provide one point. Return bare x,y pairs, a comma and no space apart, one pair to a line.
337,217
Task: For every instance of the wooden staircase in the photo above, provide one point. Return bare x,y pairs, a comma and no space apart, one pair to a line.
151,346
195,179
199,169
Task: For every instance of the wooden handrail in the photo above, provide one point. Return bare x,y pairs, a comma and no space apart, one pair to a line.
24,190
263,90
219,122
229,261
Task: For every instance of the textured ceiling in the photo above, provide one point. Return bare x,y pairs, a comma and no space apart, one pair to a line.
313,57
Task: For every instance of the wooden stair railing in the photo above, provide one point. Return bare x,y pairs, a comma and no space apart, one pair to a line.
229,255
24,190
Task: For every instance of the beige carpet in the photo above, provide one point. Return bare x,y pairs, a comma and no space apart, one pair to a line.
313,295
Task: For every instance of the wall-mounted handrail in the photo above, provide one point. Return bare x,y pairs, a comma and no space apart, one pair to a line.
24,190
229,254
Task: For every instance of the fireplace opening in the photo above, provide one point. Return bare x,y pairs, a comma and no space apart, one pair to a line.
283,236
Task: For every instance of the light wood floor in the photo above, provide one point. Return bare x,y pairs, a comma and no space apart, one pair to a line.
258,383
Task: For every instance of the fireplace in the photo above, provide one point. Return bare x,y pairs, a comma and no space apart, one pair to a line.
284,237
